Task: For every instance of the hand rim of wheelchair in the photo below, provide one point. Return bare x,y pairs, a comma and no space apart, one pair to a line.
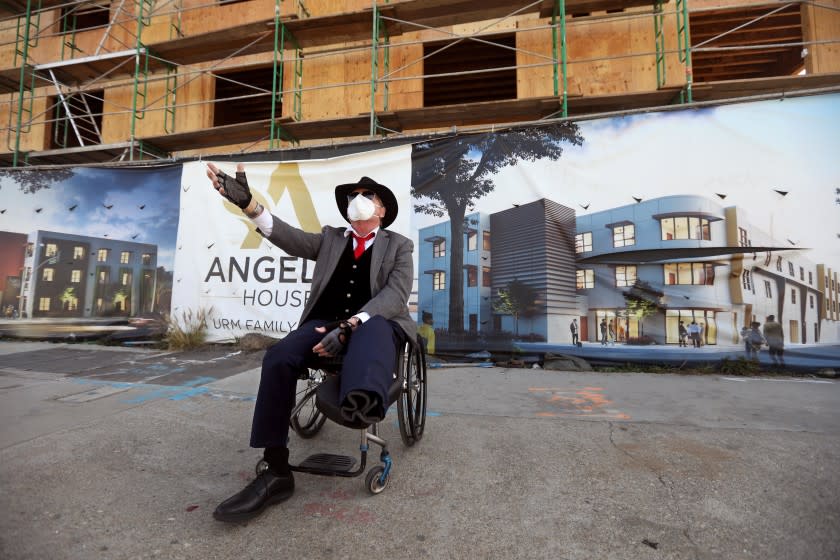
411,406
410,389
306,420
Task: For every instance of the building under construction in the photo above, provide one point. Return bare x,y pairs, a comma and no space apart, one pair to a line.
104,81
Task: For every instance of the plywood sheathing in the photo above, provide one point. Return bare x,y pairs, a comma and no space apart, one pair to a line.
611,68
822,23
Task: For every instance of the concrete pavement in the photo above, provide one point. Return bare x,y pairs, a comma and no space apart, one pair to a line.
115,453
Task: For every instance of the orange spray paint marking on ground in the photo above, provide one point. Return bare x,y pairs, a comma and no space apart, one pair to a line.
589,402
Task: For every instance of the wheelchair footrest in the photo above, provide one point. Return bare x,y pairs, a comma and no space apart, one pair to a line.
329,462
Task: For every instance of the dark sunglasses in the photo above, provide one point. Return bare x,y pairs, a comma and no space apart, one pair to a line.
367,194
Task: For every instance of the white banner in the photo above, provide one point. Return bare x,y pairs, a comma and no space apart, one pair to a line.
240,280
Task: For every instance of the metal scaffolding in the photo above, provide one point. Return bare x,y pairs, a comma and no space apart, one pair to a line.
281,38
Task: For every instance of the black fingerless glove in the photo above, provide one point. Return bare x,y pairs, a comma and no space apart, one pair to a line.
337,338
235,189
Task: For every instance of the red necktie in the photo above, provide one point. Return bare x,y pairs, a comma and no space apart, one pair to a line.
360,244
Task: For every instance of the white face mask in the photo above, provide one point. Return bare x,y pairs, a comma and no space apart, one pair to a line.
360,208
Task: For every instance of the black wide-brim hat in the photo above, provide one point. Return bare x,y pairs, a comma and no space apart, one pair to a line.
389,201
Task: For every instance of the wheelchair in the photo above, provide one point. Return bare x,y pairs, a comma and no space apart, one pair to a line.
317,400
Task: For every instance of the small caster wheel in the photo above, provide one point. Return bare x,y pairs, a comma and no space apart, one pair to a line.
374,481
262,466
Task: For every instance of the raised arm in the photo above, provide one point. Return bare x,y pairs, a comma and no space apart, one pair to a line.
292,240
235,189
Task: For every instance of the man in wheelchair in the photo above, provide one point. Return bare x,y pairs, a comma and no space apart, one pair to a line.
357,307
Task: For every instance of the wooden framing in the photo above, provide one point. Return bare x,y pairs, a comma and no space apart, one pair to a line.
612,67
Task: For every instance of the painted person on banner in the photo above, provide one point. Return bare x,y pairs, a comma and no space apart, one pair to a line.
426,330
683,333
775,337
358,307
694,334
756,339
745,336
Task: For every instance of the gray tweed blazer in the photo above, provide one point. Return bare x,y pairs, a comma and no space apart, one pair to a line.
391,268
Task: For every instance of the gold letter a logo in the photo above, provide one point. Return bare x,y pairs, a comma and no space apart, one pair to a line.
285,178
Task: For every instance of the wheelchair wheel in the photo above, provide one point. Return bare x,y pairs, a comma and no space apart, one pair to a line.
411,405
306,420
374,481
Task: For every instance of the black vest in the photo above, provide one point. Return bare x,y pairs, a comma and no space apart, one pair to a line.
348,289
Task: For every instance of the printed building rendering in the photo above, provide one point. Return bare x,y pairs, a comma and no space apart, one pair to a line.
68,275
641,269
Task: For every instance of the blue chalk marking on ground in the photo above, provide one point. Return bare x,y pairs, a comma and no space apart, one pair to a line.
183,391
151,396
189,393
172,392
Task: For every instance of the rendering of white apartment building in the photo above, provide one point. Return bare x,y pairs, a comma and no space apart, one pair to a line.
687,256
692,258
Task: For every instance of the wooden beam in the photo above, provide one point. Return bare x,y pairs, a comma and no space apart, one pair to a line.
794,36
101,153
492,112
80,70
10,8
10,79
740,74
780,30
238,133
729,19
716,91
730,61
356,26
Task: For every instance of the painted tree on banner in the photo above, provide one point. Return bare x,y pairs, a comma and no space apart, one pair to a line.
517,300
642,300
32,180
450,176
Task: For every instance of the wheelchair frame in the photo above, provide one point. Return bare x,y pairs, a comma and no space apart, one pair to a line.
307,418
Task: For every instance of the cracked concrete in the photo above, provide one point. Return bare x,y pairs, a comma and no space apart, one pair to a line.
514,464
667,484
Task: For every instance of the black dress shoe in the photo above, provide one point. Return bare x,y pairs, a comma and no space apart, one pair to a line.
362,406
267,489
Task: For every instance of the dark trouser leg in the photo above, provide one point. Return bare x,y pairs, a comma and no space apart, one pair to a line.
282,364
369,362
778,355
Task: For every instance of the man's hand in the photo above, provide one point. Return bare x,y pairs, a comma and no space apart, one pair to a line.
235,189
336,339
